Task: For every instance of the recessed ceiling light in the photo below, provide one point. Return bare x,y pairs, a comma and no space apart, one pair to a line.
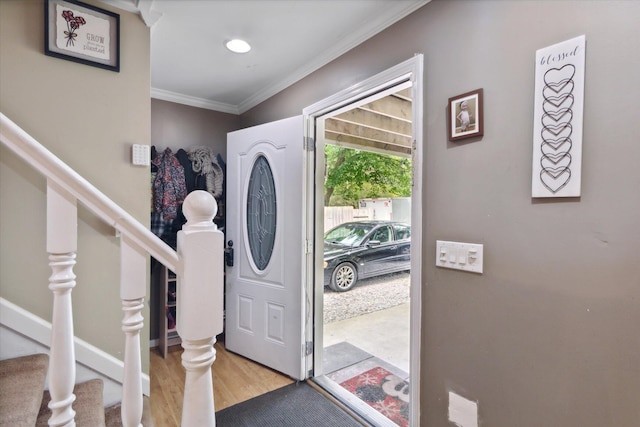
238,46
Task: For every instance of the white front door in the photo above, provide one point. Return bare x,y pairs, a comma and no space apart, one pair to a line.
264,222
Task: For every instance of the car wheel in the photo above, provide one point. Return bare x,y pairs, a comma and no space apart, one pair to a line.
344,277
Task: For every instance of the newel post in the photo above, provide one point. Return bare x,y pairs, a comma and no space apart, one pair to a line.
199,305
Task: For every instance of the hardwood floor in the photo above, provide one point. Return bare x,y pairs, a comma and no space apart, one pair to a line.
235,379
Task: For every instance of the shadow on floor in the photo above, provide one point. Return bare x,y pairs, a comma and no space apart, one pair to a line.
343,360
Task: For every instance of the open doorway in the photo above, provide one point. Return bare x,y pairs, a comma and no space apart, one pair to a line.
366,310
369,342
367,242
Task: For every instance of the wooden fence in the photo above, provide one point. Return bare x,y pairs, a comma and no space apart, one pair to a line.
336,215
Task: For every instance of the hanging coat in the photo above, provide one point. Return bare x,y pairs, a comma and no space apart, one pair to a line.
169,187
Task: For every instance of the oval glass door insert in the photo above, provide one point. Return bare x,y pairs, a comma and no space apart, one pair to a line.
261,213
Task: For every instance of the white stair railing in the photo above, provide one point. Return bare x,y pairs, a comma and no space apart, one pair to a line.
198,265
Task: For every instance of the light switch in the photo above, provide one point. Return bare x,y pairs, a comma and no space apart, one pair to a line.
473,255
462,259
443,254
459,256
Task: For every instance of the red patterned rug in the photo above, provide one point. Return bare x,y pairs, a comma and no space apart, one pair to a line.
385,392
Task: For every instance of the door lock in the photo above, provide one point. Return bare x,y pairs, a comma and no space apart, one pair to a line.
228,254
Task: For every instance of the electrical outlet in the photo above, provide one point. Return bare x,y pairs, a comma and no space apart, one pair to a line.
462,412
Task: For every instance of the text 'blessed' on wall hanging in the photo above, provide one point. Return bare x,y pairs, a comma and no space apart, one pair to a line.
557,119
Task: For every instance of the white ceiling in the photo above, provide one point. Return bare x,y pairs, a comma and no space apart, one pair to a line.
290,39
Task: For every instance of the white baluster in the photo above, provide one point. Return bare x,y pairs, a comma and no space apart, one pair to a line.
132,322
199,305
197,407
62,238
132,291
62,365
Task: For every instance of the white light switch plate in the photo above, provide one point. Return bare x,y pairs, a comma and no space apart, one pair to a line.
459,256
141,155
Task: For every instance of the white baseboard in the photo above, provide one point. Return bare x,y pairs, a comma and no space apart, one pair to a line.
38,334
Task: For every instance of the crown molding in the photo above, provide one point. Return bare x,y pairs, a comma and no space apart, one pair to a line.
193,101
142,7
398,11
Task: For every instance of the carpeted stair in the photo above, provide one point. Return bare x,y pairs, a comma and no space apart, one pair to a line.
23,403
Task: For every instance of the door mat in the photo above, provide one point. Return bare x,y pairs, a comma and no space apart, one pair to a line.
385,392
295,405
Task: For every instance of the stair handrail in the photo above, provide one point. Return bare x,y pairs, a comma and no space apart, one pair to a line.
54,169
200,284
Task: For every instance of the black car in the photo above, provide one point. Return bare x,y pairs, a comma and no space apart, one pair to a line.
357,250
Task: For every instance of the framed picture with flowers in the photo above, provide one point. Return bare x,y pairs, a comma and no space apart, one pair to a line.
82,33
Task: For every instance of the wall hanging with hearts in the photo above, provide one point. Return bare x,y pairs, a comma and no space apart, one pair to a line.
557,119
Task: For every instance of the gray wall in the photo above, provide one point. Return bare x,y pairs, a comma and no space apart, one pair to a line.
89,117
181,126
547,336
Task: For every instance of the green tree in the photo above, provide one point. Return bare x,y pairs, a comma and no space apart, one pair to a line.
352,175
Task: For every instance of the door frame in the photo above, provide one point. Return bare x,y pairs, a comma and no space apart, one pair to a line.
409,70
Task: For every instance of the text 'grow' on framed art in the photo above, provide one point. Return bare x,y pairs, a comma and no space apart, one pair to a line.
82,33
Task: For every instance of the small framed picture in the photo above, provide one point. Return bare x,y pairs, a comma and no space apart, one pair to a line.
466,115
82,33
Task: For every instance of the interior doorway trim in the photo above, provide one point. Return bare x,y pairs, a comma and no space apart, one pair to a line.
409,70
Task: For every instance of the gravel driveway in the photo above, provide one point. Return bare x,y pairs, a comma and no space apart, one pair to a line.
369,295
